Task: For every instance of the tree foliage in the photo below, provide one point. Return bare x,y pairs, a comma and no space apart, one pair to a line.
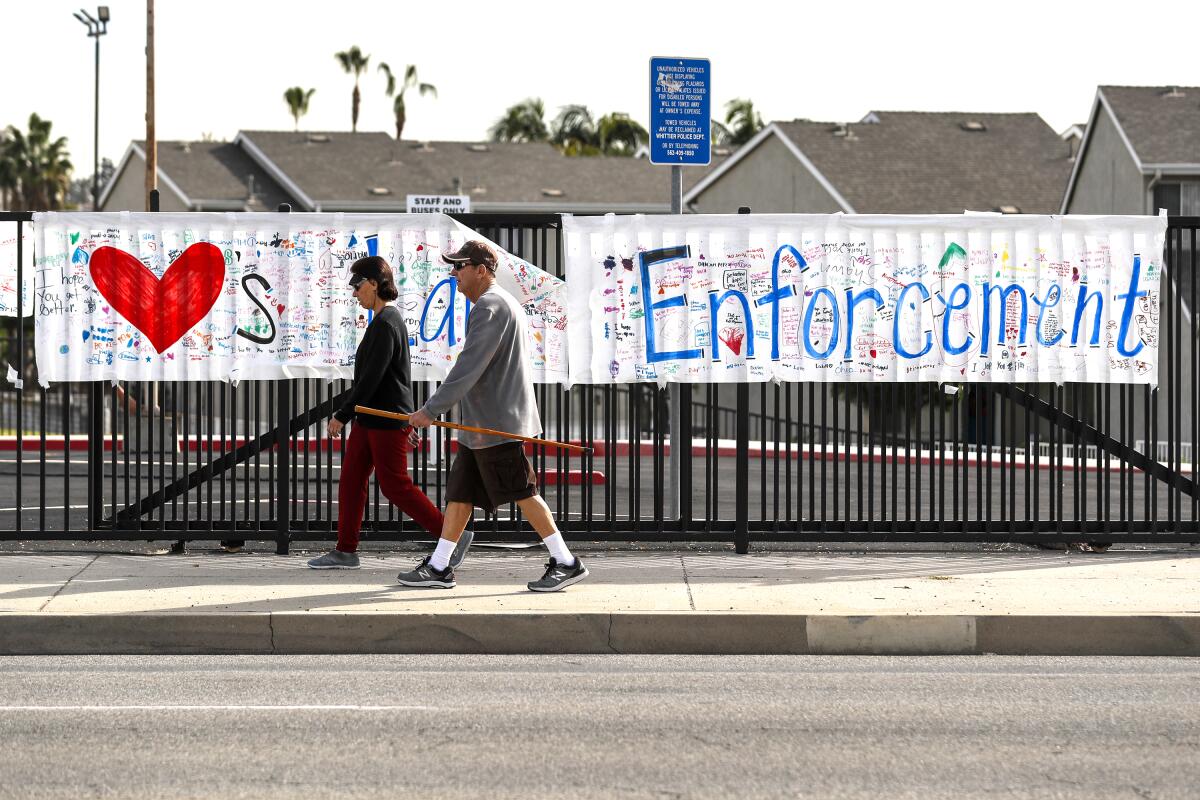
410,82
742,120
354,62
574,131
523,122
297,100
35,167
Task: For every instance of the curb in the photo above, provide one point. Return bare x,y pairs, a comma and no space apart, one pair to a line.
684,633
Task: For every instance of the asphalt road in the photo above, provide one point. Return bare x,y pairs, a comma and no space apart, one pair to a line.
607,726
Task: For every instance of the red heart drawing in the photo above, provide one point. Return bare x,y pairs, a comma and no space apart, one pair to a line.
164,310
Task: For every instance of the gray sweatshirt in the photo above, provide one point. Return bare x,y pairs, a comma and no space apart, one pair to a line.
490,380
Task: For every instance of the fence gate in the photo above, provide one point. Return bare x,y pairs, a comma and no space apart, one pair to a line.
754,463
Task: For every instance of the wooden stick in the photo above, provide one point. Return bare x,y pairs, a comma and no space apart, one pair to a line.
375,412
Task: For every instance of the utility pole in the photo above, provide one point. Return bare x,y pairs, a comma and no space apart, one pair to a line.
152,199
151,142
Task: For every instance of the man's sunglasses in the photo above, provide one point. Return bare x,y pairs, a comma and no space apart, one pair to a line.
460,264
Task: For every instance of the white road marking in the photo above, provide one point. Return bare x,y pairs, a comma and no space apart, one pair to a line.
219,708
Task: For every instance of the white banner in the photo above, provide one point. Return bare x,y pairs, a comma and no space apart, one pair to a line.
257,296
833,297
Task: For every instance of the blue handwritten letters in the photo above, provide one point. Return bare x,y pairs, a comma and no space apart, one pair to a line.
836,297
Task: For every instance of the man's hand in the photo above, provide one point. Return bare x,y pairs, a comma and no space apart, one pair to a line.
419,419
335,428
414,438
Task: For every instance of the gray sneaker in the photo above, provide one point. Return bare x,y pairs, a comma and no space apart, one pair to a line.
559,577
460,549
427,577
335,559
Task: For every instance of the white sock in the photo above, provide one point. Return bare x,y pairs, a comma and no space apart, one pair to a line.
558,550
441,554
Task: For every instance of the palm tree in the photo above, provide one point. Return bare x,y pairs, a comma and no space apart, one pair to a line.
41,165
719,135
742,119
410,82
574,131
354,63
8,172
523,122
297,100
619,135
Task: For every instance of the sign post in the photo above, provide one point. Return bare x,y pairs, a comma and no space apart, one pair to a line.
680,125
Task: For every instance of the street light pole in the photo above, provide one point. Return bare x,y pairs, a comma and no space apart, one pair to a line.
97,27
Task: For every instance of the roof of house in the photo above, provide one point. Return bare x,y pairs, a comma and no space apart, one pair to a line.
1161,123
910,162
365,171
210,175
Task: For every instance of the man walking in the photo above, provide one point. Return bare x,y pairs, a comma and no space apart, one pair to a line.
491,383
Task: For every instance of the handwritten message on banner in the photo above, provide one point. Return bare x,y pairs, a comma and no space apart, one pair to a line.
257,296
9,306
714,298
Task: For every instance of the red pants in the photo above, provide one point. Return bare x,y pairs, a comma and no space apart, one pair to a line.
386,453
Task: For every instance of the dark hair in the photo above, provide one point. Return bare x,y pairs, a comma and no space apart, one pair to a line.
375,268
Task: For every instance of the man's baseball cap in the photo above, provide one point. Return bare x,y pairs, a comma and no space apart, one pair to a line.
473,252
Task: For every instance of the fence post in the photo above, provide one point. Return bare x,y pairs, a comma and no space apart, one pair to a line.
283,486
19,427
741,525
95,455
676,487
681,451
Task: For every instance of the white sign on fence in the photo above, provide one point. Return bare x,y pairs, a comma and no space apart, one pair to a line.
439,204
257,296
832,297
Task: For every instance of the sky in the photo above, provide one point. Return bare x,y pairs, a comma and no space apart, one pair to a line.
223,65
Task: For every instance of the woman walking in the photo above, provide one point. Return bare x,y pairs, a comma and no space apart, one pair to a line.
382,379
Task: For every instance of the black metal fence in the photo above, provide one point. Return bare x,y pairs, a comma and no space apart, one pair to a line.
763,463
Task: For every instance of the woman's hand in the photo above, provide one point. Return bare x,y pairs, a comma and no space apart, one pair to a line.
335,428
414,438
419,419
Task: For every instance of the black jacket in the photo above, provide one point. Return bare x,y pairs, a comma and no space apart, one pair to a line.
382,373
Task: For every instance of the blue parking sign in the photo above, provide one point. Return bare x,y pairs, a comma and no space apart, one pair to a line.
680,111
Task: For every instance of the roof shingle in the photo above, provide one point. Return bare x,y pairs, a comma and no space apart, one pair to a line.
1162,123
342,169
910,162
217,172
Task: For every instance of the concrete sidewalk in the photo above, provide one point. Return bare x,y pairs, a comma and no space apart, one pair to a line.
913,603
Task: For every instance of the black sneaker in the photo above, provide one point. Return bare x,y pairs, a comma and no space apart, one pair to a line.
425,575
559,577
